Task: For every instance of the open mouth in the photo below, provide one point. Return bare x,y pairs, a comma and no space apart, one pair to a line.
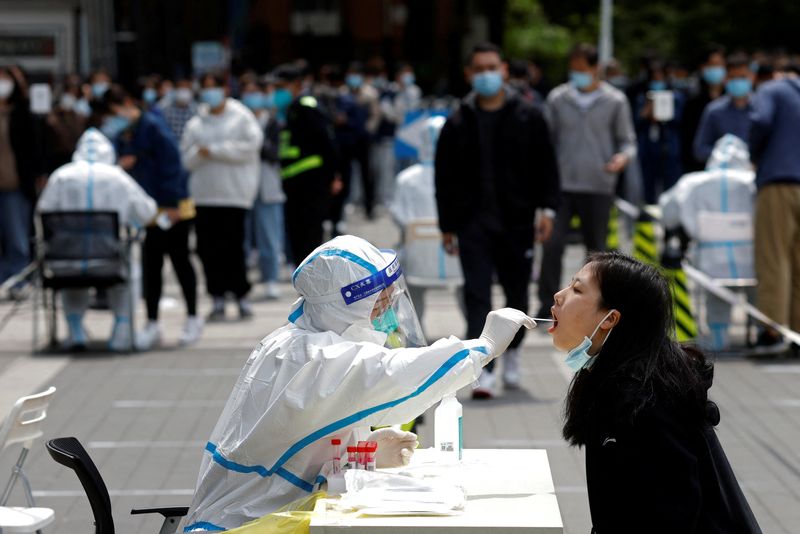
555,322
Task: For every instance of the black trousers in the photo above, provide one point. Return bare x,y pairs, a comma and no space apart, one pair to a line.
484,252
594,211
175,243
358,152
307,205
220,245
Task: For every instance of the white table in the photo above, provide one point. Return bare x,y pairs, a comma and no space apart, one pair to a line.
508,491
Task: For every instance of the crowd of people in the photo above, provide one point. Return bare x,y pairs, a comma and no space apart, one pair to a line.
259,164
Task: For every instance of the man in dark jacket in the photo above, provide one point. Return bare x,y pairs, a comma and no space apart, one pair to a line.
308,162
495,166
149,152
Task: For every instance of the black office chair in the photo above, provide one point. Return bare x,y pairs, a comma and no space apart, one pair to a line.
70,452
78,249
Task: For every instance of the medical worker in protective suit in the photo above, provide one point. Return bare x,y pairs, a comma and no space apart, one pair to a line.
715,208
351,357
92,182
423,258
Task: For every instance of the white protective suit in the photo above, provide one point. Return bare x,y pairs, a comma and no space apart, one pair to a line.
93,183
715,207
425,263
324,375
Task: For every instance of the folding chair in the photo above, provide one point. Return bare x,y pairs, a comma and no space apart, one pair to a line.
23,425
79,249
70,453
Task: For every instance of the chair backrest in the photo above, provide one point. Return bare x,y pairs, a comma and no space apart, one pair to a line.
24,423
81,235
69,452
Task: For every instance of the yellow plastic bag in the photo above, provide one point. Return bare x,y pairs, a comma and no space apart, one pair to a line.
294,518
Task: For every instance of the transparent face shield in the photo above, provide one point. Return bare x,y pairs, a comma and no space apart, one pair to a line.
393,312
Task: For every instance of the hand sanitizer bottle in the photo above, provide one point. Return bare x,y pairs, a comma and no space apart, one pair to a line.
447,429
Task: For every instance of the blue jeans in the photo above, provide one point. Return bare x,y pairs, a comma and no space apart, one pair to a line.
15,216
268,219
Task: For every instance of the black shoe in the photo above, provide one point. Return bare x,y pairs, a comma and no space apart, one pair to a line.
769,343
217,315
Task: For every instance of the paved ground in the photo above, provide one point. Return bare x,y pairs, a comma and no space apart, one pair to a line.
145,417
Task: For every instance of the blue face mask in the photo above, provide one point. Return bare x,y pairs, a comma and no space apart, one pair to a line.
658,85
99,89
408,78
386,322
354,81
578,358
149,95
269,100
738,87
714,75
282,99
487,83
115,125
213,96
253,100
579,79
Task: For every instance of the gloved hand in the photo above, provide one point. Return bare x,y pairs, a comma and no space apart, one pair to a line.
395,446
500,328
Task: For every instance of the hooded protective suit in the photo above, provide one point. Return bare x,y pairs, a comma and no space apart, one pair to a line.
715,207
93,183
425,262
324,375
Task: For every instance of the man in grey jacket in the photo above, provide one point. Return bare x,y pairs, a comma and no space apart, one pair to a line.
592,131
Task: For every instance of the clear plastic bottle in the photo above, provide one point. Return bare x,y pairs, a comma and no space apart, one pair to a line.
447,429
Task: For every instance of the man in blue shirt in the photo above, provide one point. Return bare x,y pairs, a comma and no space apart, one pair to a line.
773,148
728,114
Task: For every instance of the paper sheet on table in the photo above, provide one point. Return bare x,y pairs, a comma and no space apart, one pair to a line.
379,493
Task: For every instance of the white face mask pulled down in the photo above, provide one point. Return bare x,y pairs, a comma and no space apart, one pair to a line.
578,358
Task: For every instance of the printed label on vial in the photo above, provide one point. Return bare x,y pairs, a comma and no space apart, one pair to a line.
446,446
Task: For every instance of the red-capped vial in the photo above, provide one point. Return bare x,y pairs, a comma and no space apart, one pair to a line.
337,460
361,455
352,458
371,450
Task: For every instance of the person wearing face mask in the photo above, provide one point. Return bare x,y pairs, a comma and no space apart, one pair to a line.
494,168
712,86
220,147
595,140
658,138
352,356
99,82
638,405
730,113
308,159
64,127
148,152
181,108
21,169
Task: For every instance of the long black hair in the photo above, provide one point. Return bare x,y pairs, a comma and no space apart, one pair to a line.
640,359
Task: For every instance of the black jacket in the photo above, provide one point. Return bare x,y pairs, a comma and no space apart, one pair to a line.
527,177
661,472
26,137
307,137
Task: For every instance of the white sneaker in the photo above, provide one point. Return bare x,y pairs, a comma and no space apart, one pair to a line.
511,369
273,291
485,389
191,330
120,336
149,336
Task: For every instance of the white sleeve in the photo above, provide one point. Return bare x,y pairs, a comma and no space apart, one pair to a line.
189,156
141,207
48,199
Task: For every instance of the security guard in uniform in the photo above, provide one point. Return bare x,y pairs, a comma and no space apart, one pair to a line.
308,159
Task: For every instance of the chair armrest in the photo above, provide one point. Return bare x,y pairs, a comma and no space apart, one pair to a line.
173,511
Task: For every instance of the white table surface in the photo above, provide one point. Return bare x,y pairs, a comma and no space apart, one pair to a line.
508,490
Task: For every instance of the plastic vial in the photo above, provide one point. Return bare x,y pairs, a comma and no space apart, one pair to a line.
447,429
352,459
371,450
337,460
361,453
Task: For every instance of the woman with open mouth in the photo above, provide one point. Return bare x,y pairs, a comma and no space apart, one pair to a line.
639,405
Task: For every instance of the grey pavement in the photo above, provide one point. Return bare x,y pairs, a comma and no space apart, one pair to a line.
145,417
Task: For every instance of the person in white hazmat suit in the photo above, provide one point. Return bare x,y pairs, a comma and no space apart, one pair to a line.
92,182
715,208
352,357
424,260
